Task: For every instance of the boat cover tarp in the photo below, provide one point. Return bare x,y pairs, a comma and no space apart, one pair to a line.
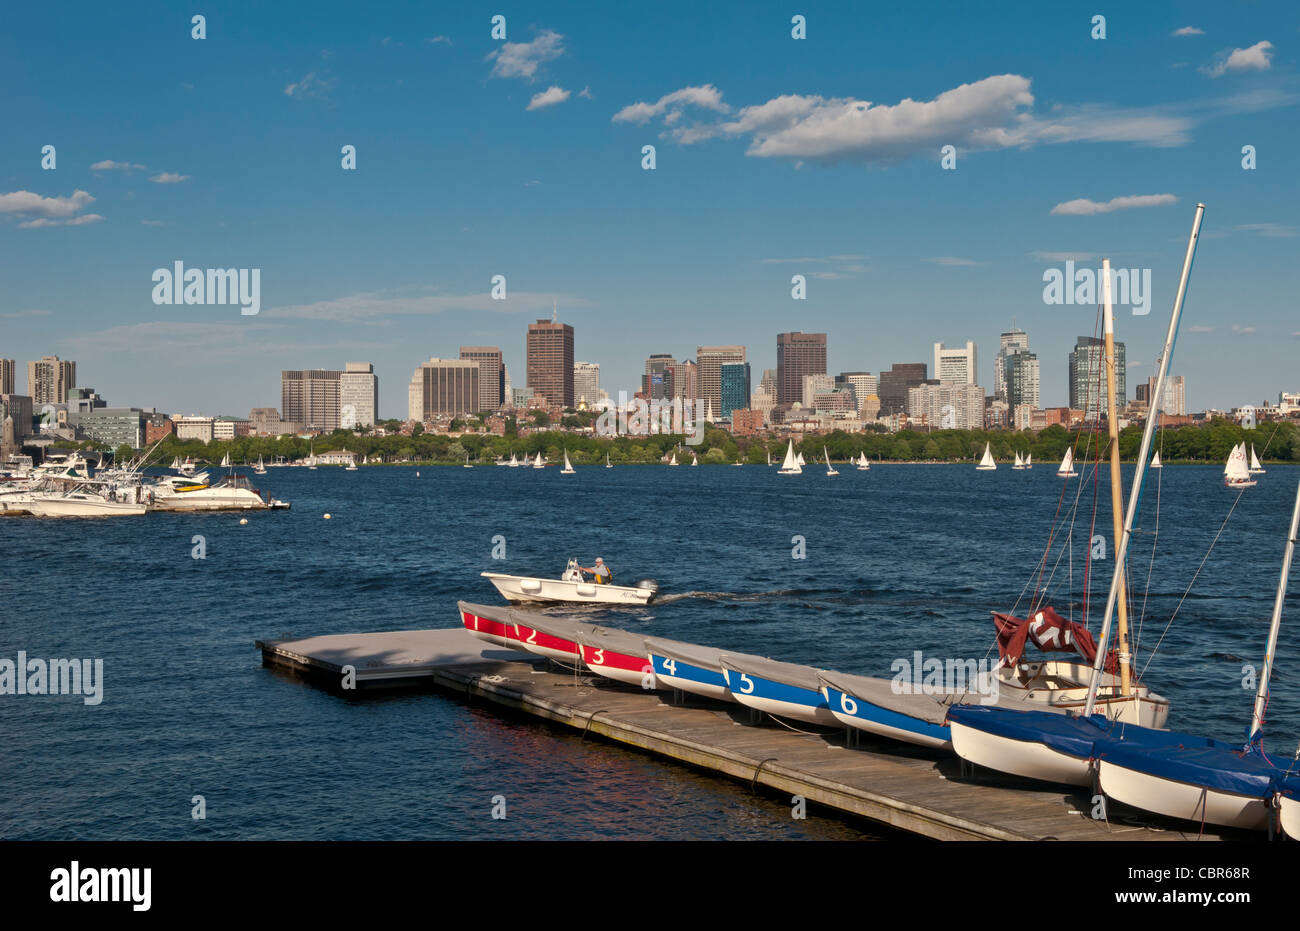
1049,632
498,613
1065,733
804,677
930,707
1211,764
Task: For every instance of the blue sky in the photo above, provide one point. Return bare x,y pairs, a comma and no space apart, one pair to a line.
774,156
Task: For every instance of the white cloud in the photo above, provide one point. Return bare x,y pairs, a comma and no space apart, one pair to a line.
1272,230
1199,328
706,96
312,85
586,93
169,177
109,165
548,98
438,40
808,260
28,204
1259,57
522,59
1243,330
952,261
1084,207
40,222
156,222
1188,31
13,315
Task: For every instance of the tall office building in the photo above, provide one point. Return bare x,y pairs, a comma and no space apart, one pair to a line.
950,406
1021,379
7,376
492,375
797,355
862,384
1012,341
1088,377
1175,399
586,383
814,385
358,396
768,382
734,385
955,366
50,379
550,361
893,385
656,382
312,398
444,386
709,361
684,382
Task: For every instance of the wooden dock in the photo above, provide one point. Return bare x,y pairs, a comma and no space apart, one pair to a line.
907,788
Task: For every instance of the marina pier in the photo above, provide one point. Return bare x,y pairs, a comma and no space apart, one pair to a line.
905,788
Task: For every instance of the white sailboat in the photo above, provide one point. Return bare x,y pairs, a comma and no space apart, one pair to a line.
225,461
695,460
568,466
1255,467
261,467
1019,465
673,460
607,465
467,465
538,463
1029,461
830,470
791,464
863,464
1067,465
799,459
1236,474
986,461
769,456
1155,461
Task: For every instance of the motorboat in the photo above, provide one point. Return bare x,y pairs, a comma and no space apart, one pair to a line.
232,493
572,586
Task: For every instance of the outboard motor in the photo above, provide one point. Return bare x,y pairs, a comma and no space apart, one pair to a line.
648,583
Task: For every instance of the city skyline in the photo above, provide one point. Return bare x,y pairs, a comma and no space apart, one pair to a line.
1066,150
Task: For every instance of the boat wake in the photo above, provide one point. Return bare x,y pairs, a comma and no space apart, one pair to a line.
729,596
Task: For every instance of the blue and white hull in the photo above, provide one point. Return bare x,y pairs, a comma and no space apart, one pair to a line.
781,689
853,709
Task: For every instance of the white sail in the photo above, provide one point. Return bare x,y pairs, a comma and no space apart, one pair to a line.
539,464
1255,467
769,457
225,461
1067,464
607,465
673,461
1019,463
568,466
1236,472
986,461
695,460
830,469
791,464
1155,461
799,459
1029,461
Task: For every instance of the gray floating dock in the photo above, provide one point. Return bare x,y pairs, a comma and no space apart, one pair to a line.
907,788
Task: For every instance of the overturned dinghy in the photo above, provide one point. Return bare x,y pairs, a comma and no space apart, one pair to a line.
606,651
688,666
489,623
787,690
877,707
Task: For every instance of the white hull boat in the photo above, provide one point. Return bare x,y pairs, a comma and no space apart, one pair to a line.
1067,465
1236,474
1182,800
786,690
517,588
79,504
986,461
791,464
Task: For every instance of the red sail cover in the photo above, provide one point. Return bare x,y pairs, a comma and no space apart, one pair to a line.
1049,632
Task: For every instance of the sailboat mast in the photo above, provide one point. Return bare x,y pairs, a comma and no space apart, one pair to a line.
1121,550
1116,483
1261,697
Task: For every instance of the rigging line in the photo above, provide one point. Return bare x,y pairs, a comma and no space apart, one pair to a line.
1179,606
1155,539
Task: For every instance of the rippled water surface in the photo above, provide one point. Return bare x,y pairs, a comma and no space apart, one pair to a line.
900,558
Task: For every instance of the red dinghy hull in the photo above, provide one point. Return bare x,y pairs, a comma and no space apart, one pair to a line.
493,630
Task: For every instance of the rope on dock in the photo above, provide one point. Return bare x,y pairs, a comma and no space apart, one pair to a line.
759,769
587,726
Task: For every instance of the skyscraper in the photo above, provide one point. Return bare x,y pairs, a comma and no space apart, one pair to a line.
1021,379
49,380
814,385
7,376
956,366
862,384
312,398
444,386
893,385
709,361
656,383
492,375
1012,341
684,382
734,384
358,396
586,383
1175,399
797,355
1088,377
550,361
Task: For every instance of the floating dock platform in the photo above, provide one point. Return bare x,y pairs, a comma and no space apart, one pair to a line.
909,789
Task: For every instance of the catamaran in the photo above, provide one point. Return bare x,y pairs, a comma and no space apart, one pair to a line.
1059,748
791,464
986,461
1236,474
1067,465
568,466
830,469
1255,467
